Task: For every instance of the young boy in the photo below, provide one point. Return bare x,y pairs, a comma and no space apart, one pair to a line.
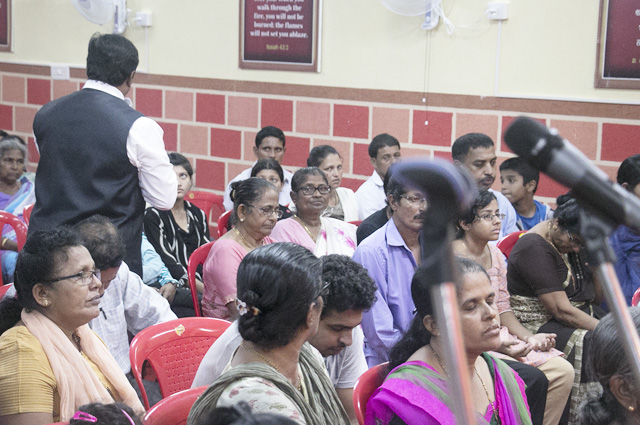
519,184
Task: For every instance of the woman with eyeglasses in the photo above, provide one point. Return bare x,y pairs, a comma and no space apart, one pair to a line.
255,213
275,369
310,191
525,350
552,289
52,363
342,203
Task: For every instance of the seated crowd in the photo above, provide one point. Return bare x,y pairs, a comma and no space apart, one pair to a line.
320,284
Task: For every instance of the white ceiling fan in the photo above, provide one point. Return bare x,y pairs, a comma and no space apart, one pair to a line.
431,9
103,11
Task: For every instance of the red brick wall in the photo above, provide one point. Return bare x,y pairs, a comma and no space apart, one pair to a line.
214,122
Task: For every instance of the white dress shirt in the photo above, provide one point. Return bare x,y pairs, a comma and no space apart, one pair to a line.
370,196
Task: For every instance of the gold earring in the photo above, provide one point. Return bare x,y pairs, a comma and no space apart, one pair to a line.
631,408
241,220
45,303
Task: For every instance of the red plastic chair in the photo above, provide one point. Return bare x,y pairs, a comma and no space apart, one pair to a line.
26,213
507,243
17,225
366,384
4,289
208,202
59,423
636,298
174,409
356,222
197,257
174,349
223,222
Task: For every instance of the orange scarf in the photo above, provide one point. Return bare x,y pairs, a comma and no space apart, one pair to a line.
77,382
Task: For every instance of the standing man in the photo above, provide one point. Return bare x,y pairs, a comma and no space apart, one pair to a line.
384,150
477,153
100,156
269,144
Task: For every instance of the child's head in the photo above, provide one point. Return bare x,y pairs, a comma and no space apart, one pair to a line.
105,414
519,179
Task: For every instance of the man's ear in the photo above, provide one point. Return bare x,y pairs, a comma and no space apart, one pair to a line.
372,161
255,151
626,186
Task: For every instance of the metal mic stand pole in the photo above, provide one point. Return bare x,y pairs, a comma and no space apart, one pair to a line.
595,232
447,316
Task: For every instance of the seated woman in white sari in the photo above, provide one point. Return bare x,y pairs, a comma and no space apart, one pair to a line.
310,191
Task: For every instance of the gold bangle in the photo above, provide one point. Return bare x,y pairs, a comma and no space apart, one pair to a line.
4,241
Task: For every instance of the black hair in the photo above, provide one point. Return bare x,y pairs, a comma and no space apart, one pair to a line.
523,168
394,186
240,414
248,192
418,336
40,258
111,59
381,141
319,153
180,160
282,280
302,174
350,286
568,213
629,172
607,358
11,142
464,144
268,164
107,414
269,131
103,240
484,198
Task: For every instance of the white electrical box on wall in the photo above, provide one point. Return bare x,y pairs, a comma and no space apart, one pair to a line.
498,11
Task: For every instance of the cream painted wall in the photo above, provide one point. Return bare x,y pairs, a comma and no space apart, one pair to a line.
547,47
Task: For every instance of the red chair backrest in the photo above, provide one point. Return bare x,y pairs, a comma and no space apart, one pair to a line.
26,213
174,349
636,298
17,225
174,409
507,243
197,257
356,222
4,289
366,384
208,202
223,222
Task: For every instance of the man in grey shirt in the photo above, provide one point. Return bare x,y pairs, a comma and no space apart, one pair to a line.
339,339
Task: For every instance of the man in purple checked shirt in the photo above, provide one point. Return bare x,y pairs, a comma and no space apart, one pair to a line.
391,254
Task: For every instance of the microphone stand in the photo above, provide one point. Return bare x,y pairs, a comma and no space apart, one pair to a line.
595,232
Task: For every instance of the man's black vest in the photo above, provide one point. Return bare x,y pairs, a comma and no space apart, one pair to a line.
84,168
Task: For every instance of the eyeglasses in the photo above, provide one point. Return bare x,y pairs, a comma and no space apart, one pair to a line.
415,200
490,217
268,211
309,190
84,277
324,291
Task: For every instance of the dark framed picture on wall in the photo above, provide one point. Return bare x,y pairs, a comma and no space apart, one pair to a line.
5,26
618,48
282,35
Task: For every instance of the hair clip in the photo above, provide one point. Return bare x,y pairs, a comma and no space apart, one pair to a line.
82,416
243,309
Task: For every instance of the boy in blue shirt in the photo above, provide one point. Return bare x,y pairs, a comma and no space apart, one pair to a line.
519,184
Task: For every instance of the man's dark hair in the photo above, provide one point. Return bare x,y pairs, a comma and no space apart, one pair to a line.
111,59
269,131
103,241
381,141
523,168
464,144
629,172
350,286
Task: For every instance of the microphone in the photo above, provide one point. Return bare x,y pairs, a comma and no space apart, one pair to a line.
547,151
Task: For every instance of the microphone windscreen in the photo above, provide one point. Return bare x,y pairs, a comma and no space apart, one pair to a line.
532,141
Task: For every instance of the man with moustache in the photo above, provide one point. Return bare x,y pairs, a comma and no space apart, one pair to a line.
348,292
476,152
391,254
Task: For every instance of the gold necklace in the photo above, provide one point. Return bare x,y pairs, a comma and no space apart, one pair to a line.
243,239
305,227
563,256
493,407
269,362
439,361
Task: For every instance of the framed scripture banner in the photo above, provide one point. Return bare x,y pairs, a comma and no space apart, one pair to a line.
618,54
5,25
280,35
